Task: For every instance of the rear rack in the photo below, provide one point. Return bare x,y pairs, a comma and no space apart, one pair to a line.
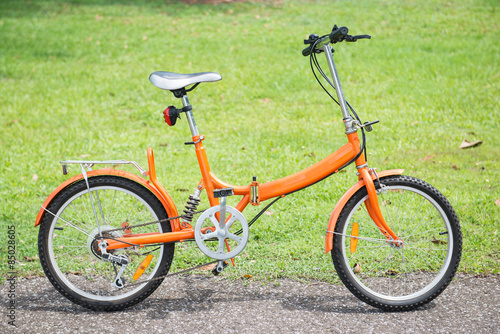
90,163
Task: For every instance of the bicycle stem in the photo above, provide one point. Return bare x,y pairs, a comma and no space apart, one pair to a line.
327,48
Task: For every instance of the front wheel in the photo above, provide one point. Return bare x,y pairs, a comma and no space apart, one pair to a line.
68,243
398,278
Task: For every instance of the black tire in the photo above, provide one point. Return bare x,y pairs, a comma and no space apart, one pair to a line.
68,249
398,278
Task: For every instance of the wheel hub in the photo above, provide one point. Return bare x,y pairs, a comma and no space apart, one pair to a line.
94,238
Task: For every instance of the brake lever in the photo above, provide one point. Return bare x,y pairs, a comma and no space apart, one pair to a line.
355,38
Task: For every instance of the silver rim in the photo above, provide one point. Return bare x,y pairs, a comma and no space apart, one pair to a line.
392,273
70,252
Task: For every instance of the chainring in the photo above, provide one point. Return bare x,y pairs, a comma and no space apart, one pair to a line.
207,232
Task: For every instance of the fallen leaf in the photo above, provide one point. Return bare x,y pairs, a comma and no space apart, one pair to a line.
208,267
265,100
144,38
35,177
267,212
84,155
386,202
414,123
243,148
164,144
310,155
391,272
467,144
247,276
497,202
437,241
428,157
357,268
454,167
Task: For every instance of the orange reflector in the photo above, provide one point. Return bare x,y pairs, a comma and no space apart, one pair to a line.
354,233
144,264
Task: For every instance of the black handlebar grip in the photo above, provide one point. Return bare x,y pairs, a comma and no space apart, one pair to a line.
337,34
307,51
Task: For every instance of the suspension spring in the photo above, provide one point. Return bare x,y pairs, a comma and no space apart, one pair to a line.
191,206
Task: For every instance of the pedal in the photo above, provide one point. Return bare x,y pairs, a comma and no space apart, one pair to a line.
225,192
221,265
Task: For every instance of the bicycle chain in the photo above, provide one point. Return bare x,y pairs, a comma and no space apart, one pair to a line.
155,222
193,268
168,275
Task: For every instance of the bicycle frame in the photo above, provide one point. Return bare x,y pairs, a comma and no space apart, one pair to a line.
281,187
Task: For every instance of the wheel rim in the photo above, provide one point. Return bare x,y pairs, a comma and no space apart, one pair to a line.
71,257
392,273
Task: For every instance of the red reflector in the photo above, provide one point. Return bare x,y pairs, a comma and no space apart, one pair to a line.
170,114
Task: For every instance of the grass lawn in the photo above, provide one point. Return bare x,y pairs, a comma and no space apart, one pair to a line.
74,84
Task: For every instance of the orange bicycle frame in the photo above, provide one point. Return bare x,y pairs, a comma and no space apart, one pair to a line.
281,187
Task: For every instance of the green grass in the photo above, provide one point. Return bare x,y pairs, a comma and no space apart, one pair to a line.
74,83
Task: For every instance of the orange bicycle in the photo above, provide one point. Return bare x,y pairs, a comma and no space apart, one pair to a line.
107,237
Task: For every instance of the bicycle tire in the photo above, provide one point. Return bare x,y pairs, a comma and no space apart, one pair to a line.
398,278
69,254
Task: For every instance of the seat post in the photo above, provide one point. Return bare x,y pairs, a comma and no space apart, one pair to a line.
190,117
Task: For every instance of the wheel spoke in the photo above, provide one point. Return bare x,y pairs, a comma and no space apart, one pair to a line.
79,268
397,276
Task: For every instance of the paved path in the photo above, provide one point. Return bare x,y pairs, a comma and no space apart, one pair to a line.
213,305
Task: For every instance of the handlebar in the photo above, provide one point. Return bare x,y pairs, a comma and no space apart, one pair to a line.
337,35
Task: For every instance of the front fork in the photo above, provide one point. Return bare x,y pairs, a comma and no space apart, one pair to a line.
373,207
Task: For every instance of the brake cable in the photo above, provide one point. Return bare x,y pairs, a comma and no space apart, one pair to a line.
313,60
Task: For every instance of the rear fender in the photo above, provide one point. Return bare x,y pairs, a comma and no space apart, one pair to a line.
166,202
344,199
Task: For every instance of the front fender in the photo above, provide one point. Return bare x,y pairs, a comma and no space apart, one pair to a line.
344,199
166,201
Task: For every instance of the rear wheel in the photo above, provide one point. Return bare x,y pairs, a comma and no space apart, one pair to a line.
398,278
68,242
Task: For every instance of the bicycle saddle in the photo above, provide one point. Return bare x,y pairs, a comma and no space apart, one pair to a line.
174,81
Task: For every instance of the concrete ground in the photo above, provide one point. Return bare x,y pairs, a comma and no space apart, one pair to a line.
200,304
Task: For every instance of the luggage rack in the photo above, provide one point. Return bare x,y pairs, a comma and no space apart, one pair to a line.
90,163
